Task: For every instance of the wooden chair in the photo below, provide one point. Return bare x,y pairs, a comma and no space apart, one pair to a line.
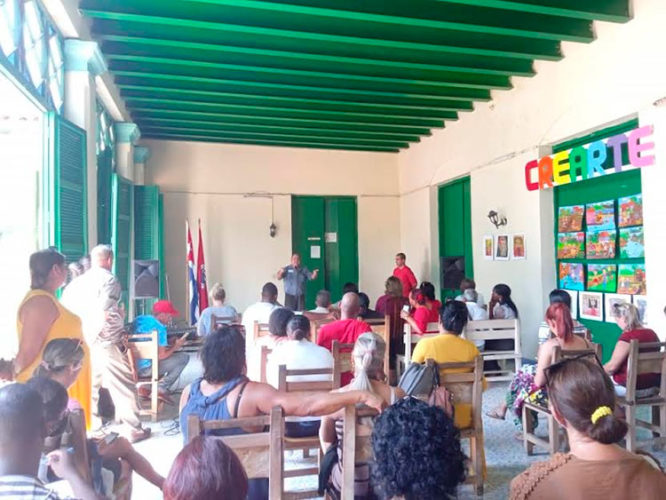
218,321
146,346
265,352
316,326
467,388
645,358
382,328
260,330
553,443
342,360
497,329
261,453
410,338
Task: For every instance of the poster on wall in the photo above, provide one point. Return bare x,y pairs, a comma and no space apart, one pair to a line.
631,279
571,276
600,215
518,246
502,247
631,243
630,210
602,277
640,301
601,244
612,300
574,302
570,219
488,247
571,245
591,305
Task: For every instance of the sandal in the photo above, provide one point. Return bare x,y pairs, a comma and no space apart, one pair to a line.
496,414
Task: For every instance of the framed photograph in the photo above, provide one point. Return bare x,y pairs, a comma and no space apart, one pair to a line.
518,246
601,244
631,243
572,276
631,279
574,302
488,247
602,277
600,215
591,305
630,211
570,219
502,247
612,299
571,245
640,301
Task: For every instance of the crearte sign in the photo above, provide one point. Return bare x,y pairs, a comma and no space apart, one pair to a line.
587,162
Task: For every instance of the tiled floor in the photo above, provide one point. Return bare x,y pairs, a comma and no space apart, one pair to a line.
505,455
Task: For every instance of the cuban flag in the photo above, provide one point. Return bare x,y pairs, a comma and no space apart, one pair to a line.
201,275
193,288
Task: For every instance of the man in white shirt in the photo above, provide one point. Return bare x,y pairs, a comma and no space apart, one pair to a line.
476,313
323,302
466,284
258,312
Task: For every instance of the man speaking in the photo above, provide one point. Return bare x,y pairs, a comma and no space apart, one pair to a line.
295,277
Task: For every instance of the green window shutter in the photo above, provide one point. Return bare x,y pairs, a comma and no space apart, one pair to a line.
104,179
160,222
148,234
121,229
67,188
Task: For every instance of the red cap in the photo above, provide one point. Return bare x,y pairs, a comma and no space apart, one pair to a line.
165,307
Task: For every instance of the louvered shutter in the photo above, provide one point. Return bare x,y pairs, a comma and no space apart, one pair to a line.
104,181
122,195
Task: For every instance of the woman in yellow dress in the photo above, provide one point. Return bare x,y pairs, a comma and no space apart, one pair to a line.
41,318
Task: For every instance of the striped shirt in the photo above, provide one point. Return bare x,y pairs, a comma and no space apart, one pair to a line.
25,488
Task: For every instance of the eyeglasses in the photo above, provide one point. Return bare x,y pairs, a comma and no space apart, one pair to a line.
550,371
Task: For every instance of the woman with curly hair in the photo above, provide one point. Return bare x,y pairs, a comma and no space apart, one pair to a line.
431,463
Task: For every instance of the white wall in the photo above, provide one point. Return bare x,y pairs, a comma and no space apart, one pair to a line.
211,182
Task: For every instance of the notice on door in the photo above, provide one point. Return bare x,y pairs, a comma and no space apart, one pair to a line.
315,252
331,237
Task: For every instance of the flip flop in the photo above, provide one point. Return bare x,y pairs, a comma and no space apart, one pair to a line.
495,414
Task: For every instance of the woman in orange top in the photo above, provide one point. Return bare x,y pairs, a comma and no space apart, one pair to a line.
41,318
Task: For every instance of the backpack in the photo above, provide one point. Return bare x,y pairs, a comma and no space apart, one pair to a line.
422,381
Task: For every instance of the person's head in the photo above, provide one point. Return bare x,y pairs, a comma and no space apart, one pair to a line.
560,296
298,327
470,295
466,284
400,259
431,464
627,316
54,398
102,256
84,262
48,270
323,299
269,293
22,430
75,269
502,294
206,468
558,317
62,360
582,397
217,294
350,306
164,311
223,355
428,290
349,287
393,287
277,321
417,297
296,260
363,302
453,316
368,360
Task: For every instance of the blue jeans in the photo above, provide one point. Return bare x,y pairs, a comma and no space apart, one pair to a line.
169,369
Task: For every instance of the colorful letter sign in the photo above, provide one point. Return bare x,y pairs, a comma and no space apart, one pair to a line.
587,162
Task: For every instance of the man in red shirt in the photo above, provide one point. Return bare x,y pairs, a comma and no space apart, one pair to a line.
345,330
404,274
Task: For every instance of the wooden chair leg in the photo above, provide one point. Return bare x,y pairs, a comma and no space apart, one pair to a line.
630,411
478,466
553,435
528,429
154,401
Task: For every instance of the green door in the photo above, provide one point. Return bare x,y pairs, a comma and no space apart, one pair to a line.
122,198
324,233
455,235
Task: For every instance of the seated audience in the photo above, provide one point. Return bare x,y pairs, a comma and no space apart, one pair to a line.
366,312
500,307
392,290
323,302
259,312
219,309
368,362
61,361
428,290
171,361
628,320
298,353
420,315
224,393
345,330
450,347
530,380
471,299
562,296
431,463
22,431
206,468
348,287
582,400
466,284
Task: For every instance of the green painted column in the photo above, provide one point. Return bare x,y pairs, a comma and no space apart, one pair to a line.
141,155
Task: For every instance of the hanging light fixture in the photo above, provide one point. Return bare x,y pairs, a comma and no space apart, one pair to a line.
496,219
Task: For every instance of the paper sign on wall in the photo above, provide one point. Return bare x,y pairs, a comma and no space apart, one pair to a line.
315,252
331,237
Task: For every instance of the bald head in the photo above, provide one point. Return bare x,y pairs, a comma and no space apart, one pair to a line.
350,306
102,256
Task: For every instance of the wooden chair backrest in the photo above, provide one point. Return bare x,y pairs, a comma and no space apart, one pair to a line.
259,452
78,441
559,354
265,352
356,435
342,359
218,321
306,386
646,357
146,346
466,387
316,326
260,330
493,329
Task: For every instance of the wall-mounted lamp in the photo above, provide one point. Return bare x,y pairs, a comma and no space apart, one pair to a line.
272,230
497,219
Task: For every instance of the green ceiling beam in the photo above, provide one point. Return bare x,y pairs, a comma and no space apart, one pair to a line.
400,43
289,76
240,87
152,123
602,10
297,59
354,16
139,114
191,106
194,96
257,142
